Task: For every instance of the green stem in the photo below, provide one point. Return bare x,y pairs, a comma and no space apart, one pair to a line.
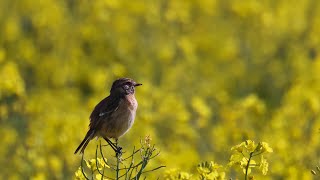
84,174
118,161
247,167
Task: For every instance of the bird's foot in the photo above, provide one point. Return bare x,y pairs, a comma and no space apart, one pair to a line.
118,151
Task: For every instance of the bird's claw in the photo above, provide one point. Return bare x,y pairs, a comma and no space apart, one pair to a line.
118,151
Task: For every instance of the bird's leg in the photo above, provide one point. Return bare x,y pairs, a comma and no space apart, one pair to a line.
113,146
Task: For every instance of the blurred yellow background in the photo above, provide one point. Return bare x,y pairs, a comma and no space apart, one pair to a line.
214,73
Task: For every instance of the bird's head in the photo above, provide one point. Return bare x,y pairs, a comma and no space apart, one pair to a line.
123,86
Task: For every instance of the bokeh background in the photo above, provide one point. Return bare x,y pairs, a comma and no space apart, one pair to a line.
214,73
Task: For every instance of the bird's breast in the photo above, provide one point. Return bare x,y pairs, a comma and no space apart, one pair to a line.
131,102
122,119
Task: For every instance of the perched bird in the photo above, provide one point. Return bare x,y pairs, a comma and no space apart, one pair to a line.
114,115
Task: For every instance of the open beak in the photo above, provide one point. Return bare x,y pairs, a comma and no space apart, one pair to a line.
137,84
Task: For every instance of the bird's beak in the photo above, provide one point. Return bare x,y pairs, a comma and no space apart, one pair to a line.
137,84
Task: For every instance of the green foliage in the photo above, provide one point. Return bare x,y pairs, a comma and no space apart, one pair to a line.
175,174
244,153
214,73
242,157
127,168
210,170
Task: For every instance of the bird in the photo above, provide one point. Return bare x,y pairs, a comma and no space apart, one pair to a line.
114,115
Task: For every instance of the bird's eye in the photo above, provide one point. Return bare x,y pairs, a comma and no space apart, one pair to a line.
126,87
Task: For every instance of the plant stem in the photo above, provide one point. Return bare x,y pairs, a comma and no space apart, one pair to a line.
118,161
247,167
84,174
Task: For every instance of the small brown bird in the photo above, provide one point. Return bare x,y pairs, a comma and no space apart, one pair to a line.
114,115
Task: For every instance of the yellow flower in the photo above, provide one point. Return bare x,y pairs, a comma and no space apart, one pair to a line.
99,176
102,163
250,145
263,165
266,147
238,148
79,174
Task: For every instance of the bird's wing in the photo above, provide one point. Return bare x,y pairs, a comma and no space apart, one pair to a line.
103,110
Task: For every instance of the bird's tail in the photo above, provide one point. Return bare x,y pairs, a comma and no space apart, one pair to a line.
85,141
